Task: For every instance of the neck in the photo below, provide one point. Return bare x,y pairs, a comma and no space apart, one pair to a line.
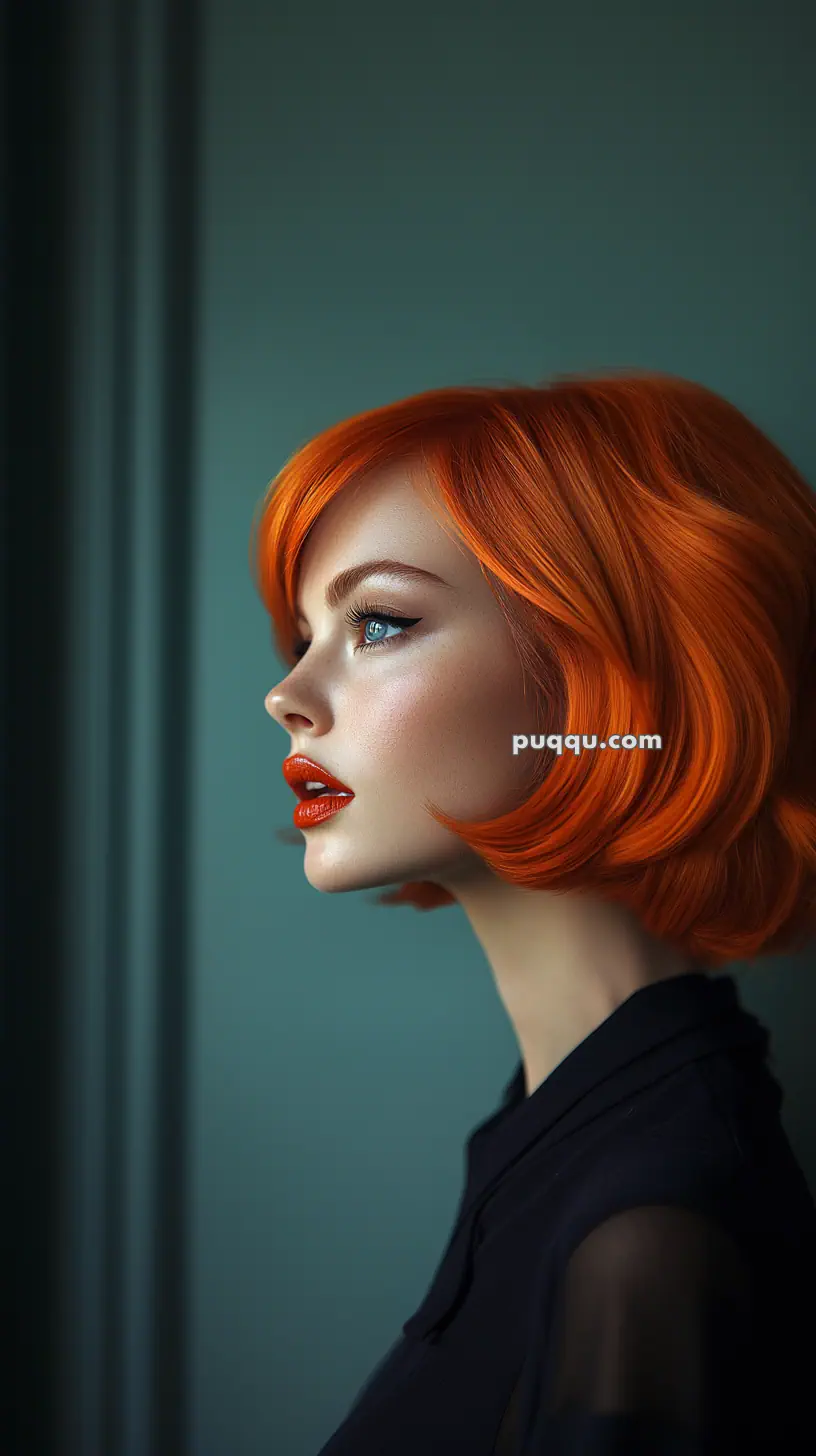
562,963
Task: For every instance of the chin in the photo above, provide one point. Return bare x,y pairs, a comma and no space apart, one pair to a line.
341,878
335,871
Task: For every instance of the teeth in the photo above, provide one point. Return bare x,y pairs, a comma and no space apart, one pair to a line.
315,786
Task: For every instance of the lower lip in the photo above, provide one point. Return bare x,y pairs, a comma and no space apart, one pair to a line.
310,812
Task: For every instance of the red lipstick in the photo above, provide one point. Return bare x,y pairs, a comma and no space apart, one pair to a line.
320,801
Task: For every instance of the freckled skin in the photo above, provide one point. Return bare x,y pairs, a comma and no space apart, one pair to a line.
429,717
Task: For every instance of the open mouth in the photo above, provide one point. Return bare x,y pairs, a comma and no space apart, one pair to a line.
319,804
313,789
320,794
310,779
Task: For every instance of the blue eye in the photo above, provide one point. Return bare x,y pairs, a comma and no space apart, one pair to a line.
382,619
365,612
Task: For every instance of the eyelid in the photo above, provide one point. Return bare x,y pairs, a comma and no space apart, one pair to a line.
359,602
356,615
407,583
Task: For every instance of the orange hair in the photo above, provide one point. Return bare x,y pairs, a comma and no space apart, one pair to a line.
654,554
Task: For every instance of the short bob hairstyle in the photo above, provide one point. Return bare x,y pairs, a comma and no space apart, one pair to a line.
654,554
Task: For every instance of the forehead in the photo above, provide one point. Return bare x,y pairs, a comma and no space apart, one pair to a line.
384,515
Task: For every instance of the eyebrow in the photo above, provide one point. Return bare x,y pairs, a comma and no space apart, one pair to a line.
342,585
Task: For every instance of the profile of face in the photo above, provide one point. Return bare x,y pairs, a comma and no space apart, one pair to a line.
401,714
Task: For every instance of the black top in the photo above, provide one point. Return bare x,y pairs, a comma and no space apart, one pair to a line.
632,1267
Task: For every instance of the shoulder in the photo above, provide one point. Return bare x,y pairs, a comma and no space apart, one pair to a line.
654,1240
658,1261
654,1297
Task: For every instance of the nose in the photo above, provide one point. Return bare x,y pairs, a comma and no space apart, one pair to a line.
278,706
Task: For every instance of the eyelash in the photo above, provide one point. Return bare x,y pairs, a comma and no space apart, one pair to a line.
364,612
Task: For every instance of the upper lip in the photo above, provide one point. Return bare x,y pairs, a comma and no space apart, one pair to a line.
298,770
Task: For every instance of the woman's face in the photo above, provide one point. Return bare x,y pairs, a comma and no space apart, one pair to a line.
427,713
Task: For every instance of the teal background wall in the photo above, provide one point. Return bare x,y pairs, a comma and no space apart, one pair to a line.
279,215
395,199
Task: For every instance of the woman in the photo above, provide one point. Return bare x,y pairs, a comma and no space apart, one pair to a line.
552,657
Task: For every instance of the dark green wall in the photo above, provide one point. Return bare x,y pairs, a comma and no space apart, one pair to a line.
278,215
399,198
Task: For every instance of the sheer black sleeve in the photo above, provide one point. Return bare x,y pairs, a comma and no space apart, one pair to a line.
653,1343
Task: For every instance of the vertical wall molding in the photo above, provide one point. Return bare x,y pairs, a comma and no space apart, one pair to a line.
132,166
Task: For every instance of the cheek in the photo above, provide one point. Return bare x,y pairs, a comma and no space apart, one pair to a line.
444,729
